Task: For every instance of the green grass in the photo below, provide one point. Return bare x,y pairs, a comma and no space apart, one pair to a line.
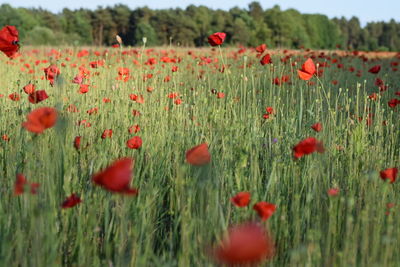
181,210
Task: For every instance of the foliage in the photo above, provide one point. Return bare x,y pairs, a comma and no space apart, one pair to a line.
191,26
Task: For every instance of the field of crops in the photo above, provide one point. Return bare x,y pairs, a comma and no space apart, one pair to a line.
199,157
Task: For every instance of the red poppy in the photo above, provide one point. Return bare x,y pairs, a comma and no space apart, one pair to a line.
269,110
9,40
241,199
317,127
38,96
29,88
51,73
14,96
5,137
307,70
393,102
107,133
77,142
71,201
216,38
78,79
266,59
134,128
220,95
375,69
264,209
307,146
134,143
333,192
261,48
40,119
198,155
117,177
84,88
390,174
246,244
21,182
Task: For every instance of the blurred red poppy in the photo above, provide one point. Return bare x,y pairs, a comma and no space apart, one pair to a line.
29,88
198,155
21,182
51,73
107,133
390,174
117,177
9,40
317,127
264,209
247,244
134,143
307,70
40,119
375,69
38,96
266,59
14,96
241,199
333,192
216,38
71,201
261,48
77,142
307,146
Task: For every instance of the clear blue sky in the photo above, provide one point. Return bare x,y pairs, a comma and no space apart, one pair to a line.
365,10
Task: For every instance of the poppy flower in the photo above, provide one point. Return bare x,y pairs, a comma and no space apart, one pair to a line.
51,73
77,142
107,133
134,128
264,209
393,102
78,79
307,70
40,119
84,88
14,96
5,137
317,127
390,174
117,177
266,59
71,201
269,110
375,69
217,38
220,95
198,155
134,143
21,182
9,41
261,48
246,244
38,96
307,146
29,88
241,199
333,192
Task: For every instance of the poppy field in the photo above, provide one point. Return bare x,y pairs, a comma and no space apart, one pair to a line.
215,156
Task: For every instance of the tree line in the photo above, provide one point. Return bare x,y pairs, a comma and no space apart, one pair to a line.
191,27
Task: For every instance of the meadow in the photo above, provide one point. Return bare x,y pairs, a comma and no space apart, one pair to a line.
333,208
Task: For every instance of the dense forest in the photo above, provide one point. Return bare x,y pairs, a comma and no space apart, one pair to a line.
191,26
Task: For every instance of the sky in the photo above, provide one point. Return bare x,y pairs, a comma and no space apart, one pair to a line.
365,10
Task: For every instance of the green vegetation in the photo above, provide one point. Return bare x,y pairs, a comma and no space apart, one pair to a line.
191,26
181,210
